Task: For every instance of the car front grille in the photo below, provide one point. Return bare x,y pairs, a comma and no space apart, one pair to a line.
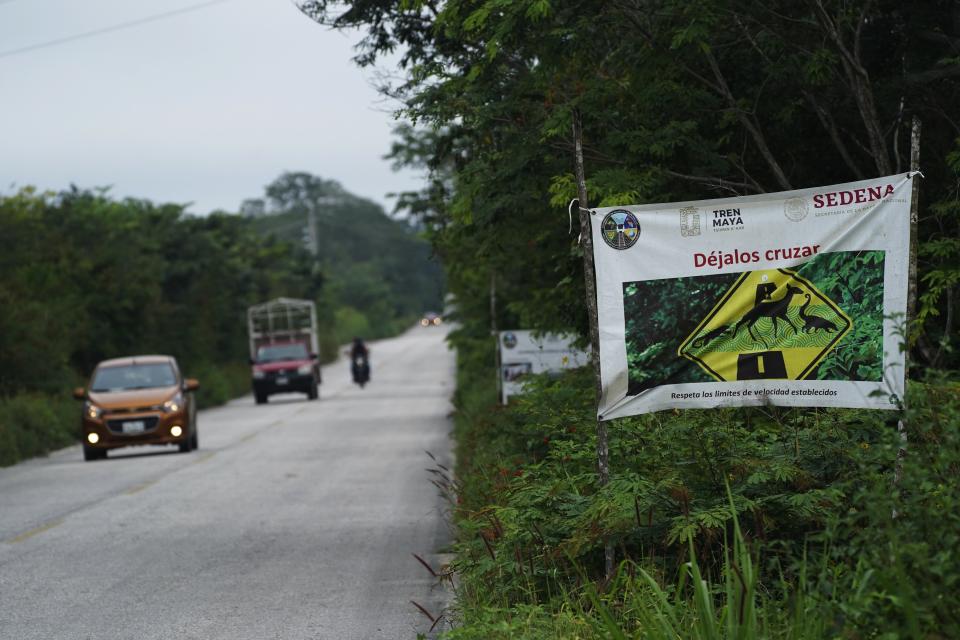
286,373
149,424
155,407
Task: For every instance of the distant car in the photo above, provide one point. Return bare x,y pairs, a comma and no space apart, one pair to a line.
136,401
284,367
430,319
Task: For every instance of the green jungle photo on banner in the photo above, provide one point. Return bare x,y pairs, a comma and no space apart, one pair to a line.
830,327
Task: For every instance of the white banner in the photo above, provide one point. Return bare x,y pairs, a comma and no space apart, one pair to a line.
522,354
795,298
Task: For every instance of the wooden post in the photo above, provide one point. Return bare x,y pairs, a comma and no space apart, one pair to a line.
590,282
911,294
914,218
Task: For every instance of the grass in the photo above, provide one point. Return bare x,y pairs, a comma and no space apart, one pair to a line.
761,523
637,604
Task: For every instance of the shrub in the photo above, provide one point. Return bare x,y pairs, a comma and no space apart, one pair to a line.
894,550
35,424
809,487
220,383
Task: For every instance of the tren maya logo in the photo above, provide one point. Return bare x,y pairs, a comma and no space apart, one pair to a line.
620,229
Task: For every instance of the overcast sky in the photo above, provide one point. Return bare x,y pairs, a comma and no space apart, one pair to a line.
205,107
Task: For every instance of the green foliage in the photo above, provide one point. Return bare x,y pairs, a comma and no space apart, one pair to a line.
377,272
679,101
854,281
893,554
940,257
85,277
661,314
809,504
220,383
33,424
349,322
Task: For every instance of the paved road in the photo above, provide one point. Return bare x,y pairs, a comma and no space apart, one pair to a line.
293,520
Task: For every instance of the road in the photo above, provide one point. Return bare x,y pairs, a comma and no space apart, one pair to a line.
293,520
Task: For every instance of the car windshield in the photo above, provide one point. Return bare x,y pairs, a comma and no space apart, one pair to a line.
278,352
134,376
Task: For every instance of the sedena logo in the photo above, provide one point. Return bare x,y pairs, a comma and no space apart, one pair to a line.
854,196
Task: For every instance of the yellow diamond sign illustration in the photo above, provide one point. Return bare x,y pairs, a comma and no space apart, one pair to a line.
770,324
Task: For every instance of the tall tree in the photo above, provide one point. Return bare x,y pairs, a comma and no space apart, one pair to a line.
680,100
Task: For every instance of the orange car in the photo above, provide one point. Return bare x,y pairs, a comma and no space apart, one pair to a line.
138,400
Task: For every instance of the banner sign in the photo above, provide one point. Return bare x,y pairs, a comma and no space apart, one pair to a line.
522,354
795,298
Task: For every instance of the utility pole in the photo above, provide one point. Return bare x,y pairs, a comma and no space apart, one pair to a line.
311,232
312,224
590,282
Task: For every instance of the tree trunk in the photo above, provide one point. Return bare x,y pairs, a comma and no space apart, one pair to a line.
590,284
911,296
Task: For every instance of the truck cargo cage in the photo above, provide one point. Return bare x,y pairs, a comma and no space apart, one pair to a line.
282,320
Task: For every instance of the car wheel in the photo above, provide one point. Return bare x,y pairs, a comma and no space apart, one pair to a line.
184,445
314,392
89,453
195,440
261,398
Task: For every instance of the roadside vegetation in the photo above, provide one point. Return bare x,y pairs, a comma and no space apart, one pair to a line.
84,277
749,523
379,277
679,101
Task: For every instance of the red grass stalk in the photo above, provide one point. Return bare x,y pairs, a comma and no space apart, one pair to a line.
426,565
489,548
424,612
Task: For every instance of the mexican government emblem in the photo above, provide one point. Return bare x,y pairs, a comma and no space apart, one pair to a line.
770,324
795,209
689,222
620,229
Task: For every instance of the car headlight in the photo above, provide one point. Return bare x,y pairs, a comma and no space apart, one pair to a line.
92,411
305,370
173,404
259,375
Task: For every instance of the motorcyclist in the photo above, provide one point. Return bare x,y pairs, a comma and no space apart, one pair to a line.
360,362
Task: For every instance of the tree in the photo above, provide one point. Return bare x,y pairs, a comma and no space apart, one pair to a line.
680,101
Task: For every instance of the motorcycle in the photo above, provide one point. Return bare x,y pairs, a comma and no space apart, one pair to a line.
360,368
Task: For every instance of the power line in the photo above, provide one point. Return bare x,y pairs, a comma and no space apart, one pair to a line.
116,27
